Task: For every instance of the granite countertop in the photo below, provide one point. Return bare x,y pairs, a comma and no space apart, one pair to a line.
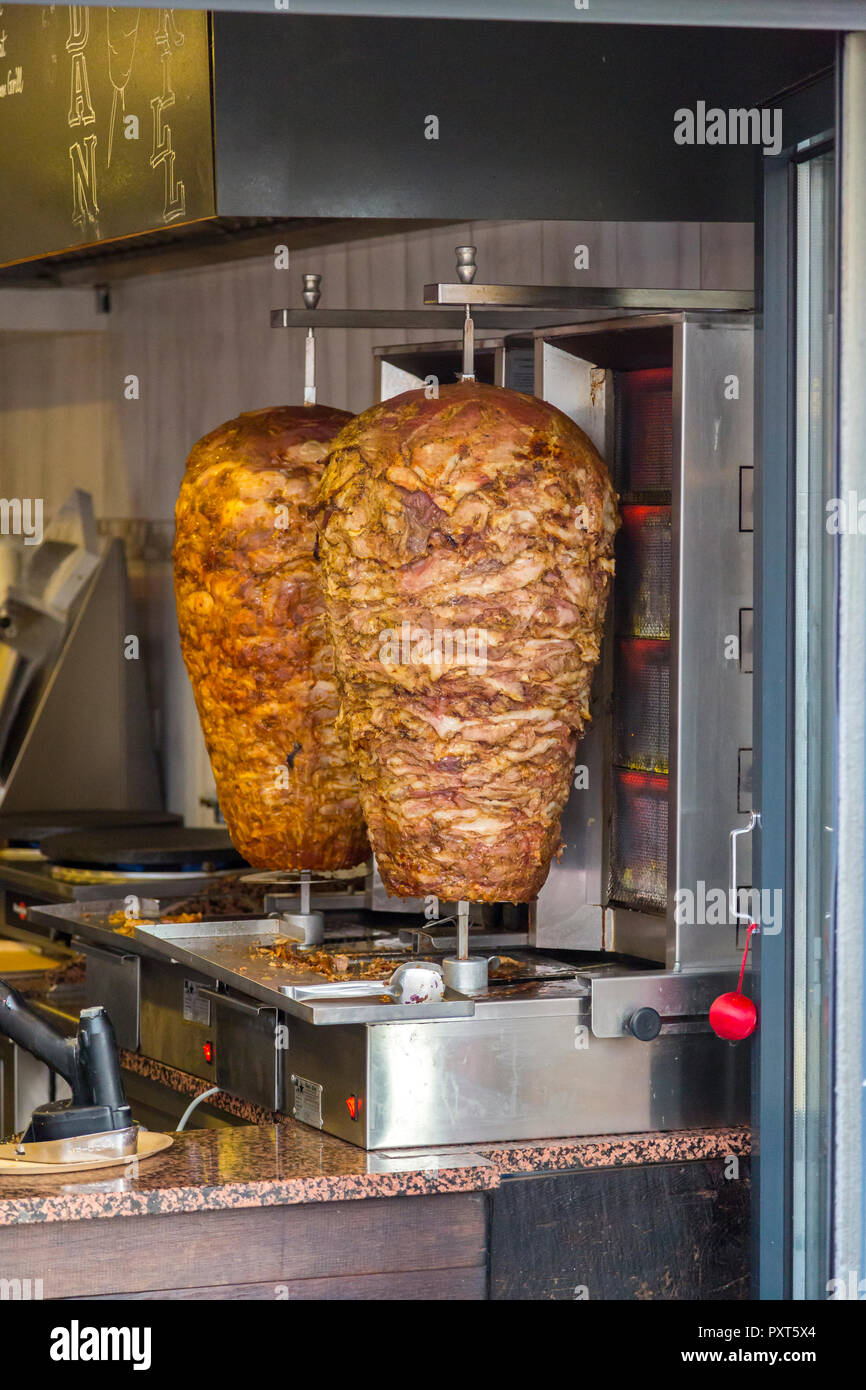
289,1163
249,1166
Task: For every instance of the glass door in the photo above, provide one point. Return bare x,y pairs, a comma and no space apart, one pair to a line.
810,712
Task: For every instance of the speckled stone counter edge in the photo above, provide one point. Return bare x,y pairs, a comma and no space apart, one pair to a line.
89,1205
414,1173
616,1150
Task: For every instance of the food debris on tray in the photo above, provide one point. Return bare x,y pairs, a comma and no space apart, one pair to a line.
284,953
124,926
230,898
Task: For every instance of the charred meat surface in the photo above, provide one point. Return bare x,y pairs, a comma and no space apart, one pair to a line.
467,548
252,627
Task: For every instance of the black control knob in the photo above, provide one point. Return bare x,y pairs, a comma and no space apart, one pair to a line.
645,1024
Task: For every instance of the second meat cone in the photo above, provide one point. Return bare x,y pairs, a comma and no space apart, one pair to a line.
467,548
251,616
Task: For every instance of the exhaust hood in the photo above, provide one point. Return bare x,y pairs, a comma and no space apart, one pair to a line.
135,139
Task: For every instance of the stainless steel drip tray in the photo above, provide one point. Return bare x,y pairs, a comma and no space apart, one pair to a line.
223,951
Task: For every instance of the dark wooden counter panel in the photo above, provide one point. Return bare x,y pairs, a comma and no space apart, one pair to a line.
285,1212
402,1247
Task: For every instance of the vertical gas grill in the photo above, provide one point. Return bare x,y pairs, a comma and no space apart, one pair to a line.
662,774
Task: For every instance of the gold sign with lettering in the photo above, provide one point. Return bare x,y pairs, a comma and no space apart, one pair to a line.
105,124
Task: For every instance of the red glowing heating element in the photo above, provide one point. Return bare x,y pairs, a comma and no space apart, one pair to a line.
734,1016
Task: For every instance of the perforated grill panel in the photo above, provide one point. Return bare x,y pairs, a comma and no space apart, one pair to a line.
640,835
641,689
643,577
644,424
641,723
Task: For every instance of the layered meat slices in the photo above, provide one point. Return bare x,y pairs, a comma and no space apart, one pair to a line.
467,548
252,627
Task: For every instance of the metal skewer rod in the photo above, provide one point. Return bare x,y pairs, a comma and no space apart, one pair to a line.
305,926
463,930
312,295
310,369
466,269
468,373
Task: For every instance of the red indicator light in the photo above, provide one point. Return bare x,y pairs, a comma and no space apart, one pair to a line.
353,1105
207,1049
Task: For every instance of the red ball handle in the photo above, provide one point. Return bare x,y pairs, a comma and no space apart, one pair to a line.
733,1016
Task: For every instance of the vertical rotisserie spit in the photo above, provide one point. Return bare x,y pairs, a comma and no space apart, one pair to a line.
467,548
252,626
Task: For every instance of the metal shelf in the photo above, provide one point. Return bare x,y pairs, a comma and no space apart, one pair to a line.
500,319
585,297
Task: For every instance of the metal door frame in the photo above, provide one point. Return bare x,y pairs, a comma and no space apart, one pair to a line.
807,115
849,1120
837,107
